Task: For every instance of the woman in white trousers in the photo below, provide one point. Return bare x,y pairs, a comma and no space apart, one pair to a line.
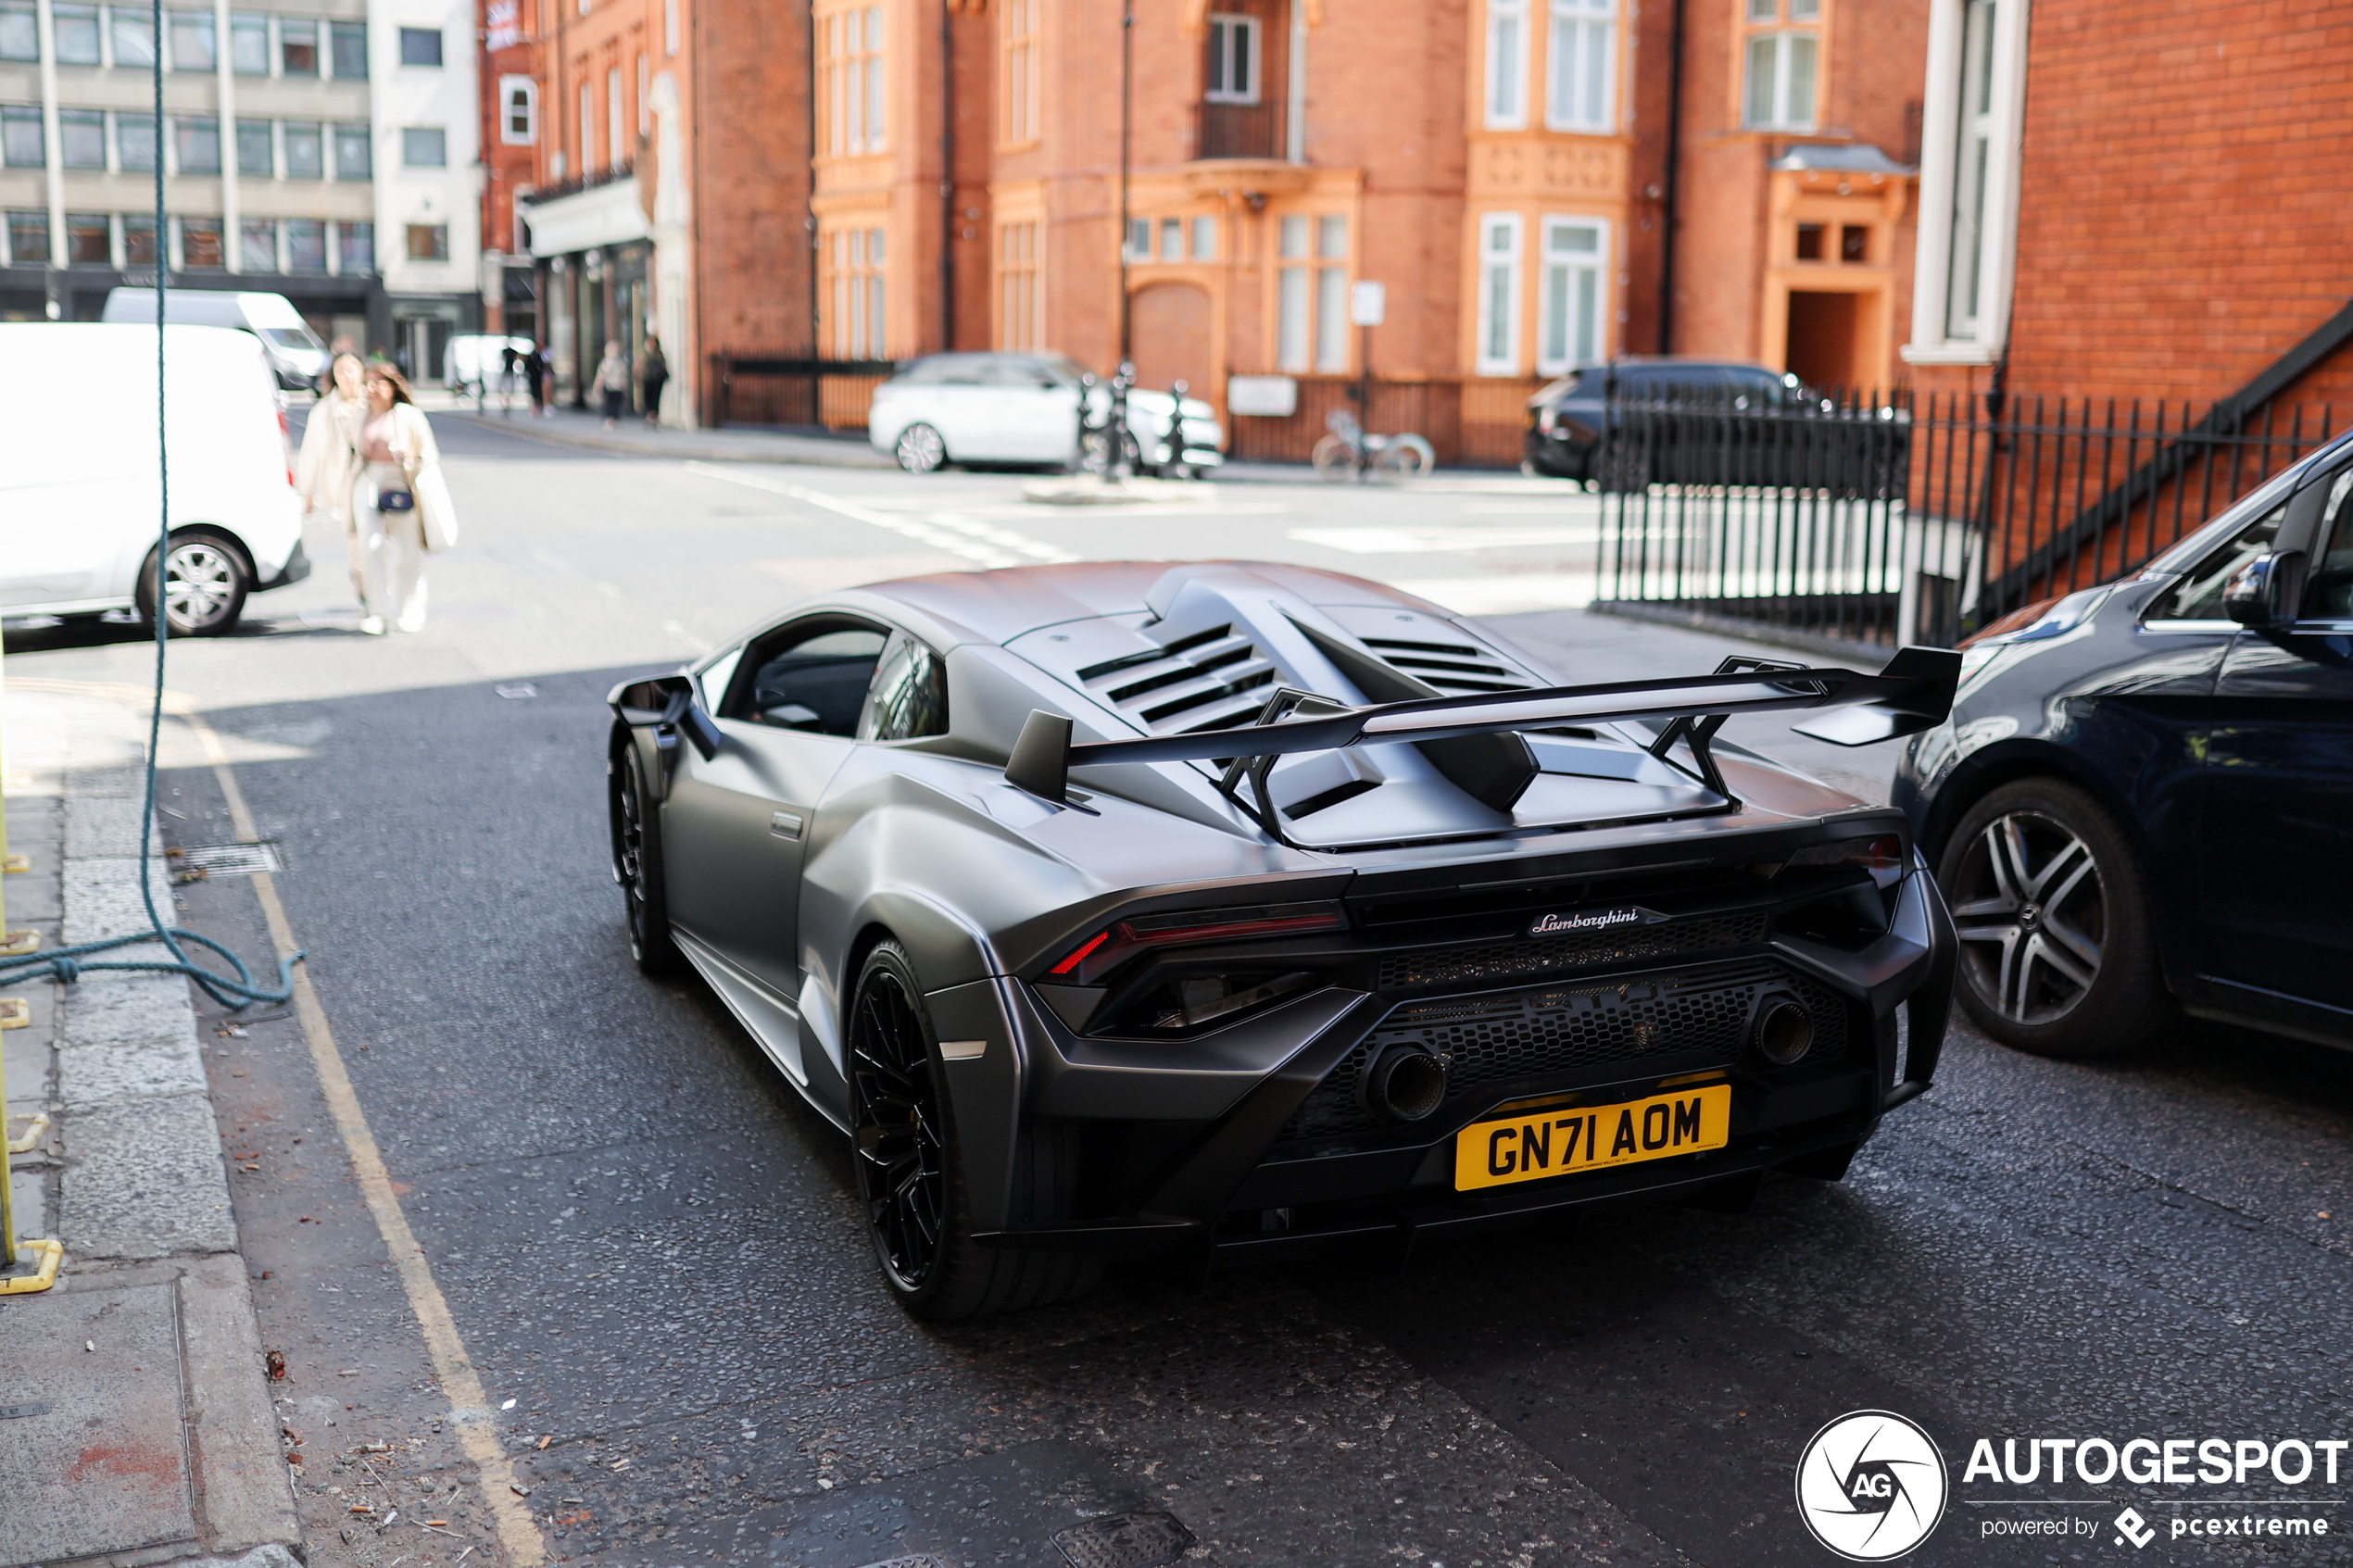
399,505
330,463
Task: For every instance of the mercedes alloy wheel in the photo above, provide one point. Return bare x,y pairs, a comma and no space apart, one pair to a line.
2056,952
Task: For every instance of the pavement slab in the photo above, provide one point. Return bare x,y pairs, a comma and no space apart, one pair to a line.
90,1075
102,899
131,1009
101,1464
104,825
145,1181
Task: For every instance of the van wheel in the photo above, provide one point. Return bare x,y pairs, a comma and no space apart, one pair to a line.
205,580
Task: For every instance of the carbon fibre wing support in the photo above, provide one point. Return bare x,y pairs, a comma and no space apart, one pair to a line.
1915,692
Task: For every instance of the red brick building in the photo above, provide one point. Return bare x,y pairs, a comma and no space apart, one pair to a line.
2160,211
1504,167
667,185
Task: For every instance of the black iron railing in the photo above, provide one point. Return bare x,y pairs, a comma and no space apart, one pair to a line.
1875,519
779,389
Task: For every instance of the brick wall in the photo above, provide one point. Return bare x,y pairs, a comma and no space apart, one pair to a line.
2184,218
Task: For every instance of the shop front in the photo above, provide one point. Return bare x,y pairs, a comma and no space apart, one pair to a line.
594,254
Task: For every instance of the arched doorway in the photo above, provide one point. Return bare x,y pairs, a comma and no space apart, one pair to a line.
1172,326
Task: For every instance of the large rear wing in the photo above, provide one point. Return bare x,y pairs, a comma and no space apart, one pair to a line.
1913,693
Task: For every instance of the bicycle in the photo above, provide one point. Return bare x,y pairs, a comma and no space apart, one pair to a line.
1349,450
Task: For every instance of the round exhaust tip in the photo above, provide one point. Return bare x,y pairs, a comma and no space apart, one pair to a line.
1784,1030
1407,1084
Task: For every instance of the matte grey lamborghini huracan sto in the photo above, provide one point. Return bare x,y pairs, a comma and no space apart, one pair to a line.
1233,910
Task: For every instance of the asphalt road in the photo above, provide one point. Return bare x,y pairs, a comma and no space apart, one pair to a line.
650,1249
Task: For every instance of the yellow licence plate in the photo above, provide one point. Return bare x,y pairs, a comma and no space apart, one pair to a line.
1590,1137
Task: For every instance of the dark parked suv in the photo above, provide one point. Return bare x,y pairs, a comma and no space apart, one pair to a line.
1632,423
2144,800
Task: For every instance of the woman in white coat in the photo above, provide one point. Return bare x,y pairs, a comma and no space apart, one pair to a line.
330,463
399,505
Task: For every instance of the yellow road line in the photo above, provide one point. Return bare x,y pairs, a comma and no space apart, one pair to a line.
477,1431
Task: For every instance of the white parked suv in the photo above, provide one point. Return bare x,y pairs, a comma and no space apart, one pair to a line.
80,493
1018,408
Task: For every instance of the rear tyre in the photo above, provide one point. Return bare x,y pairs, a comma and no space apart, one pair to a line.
638,865
206,578
2058,956
1335,459
911,1168
1406,458
920,449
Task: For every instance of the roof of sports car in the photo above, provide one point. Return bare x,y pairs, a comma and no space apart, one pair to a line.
1000,605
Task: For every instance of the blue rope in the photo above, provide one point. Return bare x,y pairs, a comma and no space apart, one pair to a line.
69,964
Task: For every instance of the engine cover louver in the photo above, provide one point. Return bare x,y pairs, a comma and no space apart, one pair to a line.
1205,681
1448,666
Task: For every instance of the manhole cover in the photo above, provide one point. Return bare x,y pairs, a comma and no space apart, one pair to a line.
234,859
1124,1540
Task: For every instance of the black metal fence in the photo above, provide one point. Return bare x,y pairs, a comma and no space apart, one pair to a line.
756,389
1878,520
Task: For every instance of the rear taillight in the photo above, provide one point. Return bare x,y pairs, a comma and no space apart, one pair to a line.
1108,949
1881,855
285,445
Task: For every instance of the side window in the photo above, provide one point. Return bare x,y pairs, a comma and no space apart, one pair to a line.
2328,588
909,694
810,677
2198,596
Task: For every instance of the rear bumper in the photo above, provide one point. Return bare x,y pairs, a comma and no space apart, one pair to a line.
1218,1147
297,567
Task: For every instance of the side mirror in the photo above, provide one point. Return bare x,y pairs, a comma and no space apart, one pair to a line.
2265,589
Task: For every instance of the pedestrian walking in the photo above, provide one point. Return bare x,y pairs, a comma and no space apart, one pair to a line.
536,369
612,383
401,503
330,465
509,366
654,377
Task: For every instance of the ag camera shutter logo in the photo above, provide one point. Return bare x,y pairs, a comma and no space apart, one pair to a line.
1870,1485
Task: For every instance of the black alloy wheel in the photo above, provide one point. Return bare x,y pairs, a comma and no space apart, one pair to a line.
900,1125
911,1170
2057,953
637,865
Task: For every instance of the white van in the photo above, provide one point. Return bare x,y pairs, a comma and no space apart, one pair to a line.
297,356
79,503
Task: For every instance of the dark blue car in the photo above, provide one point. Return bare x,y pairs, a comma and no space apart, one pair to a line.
2143,802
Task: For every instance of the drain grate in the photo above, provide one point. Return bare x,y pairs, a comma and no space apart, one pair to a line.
1124,1540
233,860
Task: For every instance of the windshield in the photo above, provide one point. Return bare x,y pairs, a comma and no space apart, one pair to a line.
291,337
2186,554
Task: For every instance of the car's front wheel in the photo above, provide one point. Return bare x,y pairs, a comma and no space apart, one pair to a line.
920,450
2058,953
637,866
205,580
911,1168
